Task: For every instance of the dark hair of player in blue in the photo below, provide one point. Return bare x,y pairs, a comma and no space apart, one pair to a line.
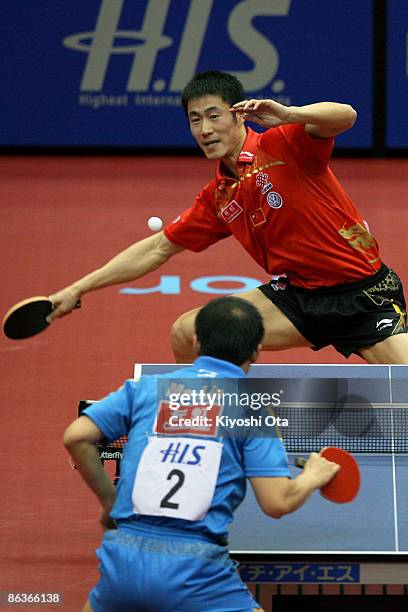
213,83
229,328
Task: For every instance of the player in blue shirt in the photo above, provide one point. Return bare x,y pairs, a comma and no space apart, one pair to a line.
167,522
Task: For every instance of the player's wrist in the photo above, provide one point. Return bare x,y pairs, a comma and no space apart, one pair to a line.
78,288
310,480
107,502
295,115
108,496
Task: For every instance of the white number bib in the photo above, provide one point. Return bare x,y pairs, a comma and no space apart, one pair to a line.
176,477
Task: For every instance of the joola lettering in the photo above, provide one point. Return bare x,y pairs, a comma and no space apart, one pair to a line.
171,285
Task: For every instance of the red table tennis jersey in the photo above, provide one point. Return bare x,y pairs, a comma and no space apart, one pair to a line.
287,209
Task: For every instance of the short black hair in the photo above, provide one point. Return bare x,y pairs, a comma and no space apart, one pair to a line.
229,328
213,83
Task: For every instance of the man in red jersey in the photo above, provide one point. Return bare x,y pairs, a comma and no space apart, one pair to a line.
277,195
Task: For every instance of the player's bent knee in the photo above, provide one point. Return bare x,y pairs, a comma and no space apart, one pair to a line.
392,350
182,332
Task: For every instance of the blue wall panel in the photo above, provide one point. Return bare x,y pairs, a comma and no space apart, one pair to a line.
397,74
110,72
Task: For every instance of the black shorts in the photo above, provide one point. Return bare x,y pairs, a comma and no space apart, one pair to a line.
350,316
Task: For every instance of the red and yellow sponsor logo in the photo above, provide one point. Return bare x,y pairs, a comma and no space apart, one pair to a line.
359,238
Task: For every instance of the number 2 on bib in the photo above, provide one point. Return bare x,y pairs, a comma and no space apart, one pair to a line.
176,477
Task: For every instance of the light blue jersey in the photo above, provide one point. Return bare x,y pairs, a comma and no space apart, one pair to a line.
132,411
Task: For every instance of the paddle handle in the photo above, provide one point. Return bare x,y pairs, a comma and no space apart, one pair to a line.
77,305
300,462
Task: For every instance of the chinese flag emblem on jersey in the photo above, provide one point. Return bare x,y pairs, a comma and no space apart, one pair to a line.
257,217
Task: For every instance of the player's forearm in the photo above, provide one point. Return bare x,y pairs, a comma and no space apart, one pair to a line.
136,261
86,459
298,491
325,114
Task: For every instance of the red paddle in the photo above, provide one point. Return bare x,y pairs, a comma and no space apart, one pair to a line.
28,317
345,485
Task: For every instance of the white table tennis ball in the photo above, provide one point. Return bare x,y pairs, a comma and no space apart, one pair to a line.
155,224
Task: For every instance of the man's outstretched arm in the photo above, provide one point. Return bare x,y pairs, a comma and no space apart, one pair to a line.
321,120
280,496
134,262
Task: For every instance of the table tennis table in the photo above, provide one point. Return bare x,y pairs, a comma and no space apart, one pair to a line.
364,542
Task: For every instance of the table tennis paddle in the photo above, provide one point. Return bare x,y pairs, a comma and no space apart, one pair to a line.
345,485
28,317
